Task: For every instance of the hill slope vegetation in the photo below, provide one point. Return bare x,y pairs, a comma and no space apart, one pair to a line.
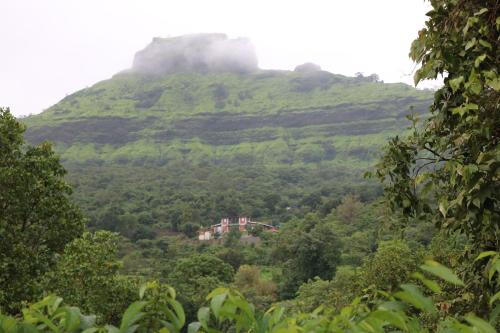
189,146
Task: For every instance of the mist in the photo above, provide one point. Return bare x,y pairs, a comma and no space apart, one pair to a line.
205,53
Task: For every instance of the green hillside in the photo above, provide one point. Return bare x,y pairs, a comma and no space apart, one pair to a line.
268,117
172,149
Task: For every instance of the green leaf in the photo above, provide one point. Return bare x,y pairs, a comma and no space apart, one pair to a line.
461,110
495,298
111,329
479,59
27,328
142,290
412,295
72,318
179,312
443,207
132,315
432,285
8,324
471,43
494,315
481,12
442,272
495,267
204,316
494,83
481,325
473,83
485,44
216,303
392,305
394,318
194,327
216,292
486,254
90,330
87,321
455,83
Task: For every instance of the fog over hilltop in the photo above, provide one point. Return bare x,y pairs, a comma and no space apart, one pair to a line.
212,52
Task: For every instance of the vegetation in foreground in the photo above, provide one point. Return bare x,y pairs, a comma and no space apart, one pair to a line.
407,310
445,172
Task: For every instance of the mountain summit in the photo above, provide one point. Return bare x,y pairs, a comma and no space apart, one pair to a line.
196,53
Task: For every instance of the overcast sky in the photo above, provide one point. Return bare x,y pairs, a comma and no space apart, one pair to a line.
51,48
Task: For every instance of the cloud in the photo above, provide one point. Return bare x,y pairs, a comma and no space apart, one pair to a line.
198,52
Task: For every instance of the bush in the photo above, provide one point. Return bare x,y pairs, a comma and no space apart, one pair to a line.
389,266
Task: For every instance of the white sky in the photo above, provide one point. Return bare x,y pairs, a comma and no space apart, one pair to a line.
51,48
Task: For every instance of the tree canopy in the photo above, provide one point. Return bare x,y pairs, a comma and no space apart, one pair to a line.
448,169
37,217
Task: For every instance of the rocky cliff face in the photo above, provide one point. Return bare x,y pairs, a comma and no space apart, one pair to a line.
205,53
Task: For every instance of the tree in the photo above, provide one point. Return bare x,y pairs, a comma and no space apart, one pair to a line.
335,293
391,265
195,276
233,257
449,166
309,254
37,217
360,245
260,292
87,275
349,209
232,238
447,170
271,200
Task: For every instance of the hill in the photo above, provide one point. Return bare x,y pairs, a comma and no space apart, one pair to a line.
195,130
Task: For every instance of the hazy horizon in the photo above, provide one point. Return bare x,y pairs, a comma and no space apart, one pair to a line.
57,47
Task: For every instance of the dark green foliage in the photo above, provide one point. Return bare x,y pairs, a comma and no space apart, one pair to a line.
158,310
233,257
405,311
37,218
447,170
147,99
249,282
306,251
349,210
145,232
195,276
202,265
86,275
390,266
336,293
100,130
220,94
313,80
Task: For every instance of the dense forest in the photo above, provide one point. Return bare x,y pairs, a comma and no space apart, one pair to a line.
384,200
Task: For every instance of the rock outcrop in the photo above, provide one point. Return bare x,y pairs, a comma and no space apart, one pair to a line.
204,53
307,67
